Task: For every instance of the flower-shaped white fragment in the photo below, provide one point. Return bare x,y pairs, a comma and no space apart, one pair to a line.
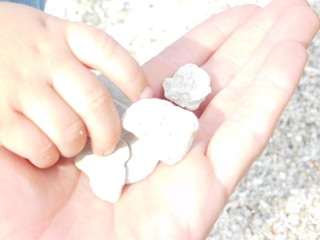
188,87
169,130
142,161
106,174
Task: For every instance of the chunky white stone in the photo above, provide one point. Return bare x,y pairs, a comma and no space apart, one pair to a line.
188,87
168,129
106,174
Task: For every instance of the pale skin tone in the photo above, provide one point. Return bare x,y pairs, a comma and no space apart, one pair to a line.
255,58
50,100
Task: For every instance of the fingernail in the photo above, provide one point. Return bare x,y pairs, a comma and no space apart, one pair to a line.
146,93
102,153
121,144
109,151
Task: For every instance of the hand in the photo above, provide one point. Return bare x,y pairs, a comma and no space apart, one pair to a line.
255,58
50,101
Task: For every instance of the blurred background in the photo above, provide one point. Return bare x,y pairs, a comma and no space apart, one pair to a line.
279,198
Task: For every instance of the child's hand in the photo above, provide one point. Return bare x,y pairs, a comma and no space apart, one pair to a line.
50,102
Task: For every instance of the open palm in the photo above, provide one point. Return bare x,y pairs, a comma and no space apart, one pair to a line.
255,58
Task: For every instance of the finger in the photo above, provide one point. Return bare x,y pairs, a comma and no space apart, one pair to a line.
197,45
247,128
22,137
226,63
298,23
55,118
88,97
99,51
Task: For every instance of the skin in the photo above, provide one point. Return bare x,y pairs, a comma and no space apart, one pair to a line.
50,100
255,58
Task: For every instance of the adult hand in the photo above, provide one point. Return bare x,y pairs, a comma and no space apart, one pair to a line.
255,58
50,101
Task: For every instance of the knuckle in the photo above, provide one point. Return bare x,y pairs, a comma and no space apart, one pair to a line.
106,44
44,155
99,101
72,138
42,148
226,65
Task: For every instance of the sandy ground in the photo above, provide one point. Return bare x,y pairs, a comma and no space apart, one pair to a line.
279,198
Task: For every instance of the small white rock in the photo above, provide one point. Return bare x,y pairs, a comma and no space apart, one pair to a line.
106,174
188,87
168,129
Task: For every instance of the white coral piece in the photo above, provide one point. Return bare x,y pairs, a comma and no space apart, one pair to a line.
188,87
143,161
106,174
168,129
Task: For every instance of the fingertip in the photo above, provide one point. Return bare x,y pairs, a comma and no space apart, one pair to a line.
146,93
105,137
112,141
107,148
138,87
109,151
289,52
47,159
